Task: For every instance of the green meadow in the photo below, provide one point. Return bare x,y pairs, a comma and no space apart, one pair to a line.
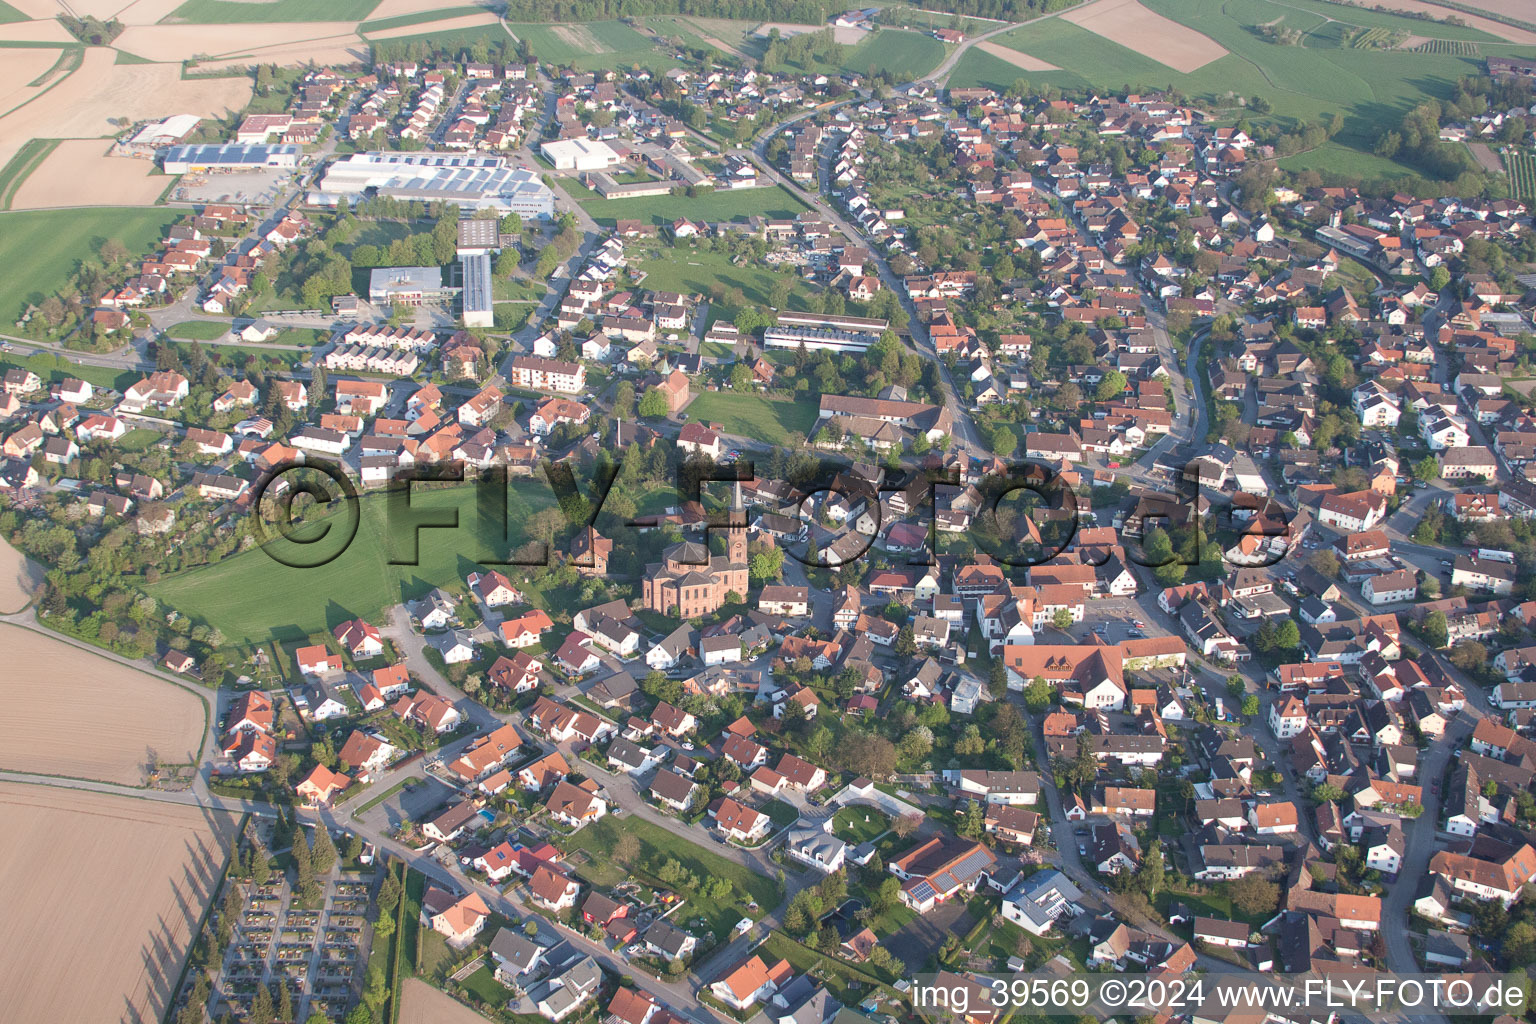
50,244
251,597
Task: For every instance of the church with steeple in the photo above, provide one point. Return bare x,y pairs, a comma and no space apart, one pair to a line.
689,582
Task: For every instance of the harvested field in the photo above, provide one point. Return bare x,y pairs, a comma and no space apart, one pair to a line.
145,12
79,106
420,1003
43,9
21,67
19,577
74,713
1133,26
1508,33
1023,61
49,31
80,173
446,25
1486,158
175,43
341,50
125,879
786,28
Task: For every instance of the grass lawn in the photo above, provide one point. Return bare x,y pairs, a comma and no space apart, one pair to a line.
735,204
849,983
484,987
696,271
138,439
223,12
200,330
780,813
237,594
857,825
657,844
53,368
51,244
766,419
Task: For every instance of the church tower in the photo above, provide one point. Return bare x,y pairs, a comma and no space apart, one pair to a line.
736,534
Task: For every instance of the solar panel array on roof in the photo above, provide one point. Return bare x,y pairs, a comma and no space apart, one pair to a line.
477,291
232,154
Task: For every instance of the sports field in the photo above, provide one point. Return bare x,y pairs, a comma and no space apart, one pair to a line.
251,597
734,204
699,273
766,419
51,243
223,12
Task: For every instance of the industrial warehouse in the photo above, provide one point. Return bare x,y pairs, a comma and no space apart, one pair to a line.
230,156
470,181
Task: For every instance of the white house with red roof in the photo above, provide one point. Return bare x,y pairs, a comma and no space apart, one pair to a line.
493,589
360,639
317,660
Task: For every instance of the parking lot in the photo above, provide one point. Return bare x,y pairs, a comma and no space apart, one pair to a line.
1112,618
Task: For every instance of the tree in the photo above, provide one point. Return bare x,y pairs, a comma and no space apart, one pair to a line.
1002,440
1519,945
323,856
284,1001
659,688
1254,895
907,824
627,849
1288,636
1436,631
1062,619
1469,655
888,895
1427,468
906,642
1039,695
741,377
261,1006
1251,705
1112,385
654,404
970,742
1150,874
